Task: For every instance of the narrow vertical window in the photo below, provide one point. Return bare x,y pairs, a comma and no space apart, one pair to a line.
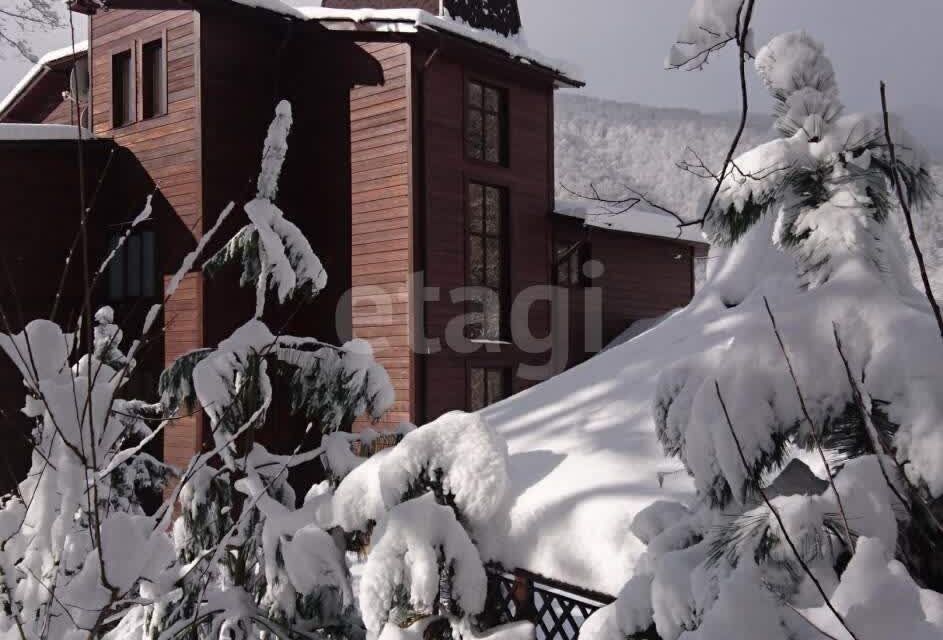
569,259
154,79
132,272
486,123
122,89
486,270
487,385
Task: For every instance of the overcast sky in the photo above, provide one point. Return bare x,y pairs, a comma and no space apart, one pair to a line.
620,46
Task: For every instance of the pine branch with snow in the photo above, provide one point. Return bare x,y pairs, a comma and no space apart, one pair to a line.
805,222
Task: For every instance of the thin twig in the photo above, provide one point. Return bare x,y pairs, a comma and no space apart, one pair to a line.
815,437
779,520
905,207
743,30
858,395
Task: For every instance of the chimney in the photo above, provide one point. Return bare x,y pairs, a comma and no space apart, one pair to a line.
501,16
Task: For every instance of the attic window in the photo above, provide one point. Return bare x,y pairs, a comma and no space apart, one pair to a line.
122,89
486,123
154,78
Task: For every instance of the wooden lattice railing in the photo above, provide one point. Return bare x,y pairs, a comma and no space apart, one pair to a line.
557,610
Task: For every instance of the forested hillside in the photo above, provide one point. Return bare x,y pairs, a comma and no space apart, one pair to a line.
610,144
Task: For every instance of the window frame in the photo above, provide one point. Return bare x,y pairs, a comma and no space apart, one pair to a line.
144,43
503,114
129,51
115,235
503,238
507,380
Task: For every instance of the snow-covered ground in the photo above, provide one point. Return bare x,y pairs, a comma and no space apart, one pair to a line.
584,458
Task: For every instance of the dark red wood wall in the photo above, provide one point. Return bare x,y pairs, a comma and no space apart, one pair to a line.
381,218
40,183
528,179
167,149
643,277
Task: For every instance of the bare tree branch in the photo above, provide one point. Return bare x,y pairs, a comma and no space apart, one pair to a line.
905,207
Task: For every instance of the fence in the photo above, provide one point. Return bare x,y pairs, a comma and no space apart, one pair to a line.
557,610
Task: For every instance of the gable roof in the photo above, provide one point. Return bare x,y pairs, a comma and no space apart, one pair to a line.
40,69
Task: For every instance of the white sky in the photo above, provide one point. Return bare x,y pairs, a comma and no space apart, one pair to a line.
620,45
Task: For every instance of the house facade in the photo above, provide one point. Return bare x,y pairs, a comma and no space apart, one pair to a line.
420,166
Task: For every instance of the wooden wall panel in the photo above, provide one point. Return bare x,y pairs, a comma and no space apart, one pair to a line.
167,150
643,277
381,219
528,179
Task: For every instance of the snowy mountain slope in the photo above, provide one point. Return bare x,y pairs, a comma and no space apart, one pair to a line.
610,144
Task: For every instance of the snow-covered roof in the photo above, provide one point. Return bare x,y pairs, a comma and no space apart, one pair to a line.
414,20
635,220
37,70
23,132
584,460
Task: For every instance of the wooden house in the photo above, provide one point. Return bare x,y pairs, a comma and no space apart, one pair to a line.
421,160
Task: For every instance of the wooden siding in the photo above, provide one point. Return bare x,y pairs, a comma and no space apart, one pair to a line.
167,147
381,221
528,179
642,277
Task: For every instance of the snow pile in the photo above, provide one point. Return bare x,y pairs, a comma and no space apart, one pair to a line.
422,505
405,554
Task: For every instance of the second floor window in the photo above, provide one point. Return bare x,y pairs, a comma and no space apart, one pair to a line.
154,79
132,272
486,268
486,123
487,385
122,89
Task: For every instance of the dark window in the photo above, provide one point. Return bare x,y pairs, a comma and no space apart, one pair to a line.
132,272
486,123
568,260
122,89
486,266
487,385
154,85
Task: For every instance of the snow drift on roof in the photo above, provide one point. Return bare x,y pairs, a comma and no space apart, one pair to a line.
411,20
41,64
635,220
10,131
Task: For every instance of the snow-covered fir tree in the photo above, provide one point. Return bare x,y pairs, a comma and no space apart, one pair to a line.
231,554
801,237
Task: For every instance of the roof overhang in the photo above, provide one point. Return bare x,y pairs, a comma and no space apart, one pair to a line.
635,221
38,71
